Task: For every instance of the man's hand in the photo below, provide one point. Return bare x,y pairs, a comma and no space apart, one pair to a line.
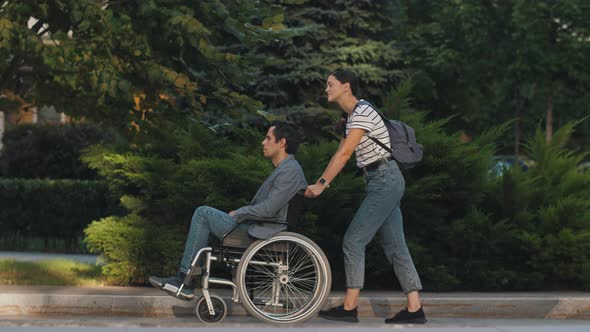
314,190
231,213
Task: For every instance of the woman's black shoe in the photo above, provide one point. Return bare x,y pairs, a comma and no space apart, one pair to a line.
340,314
406,317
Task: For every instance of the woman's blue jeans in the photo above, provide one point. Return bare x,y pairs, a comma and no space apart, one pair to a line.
206,220
380,213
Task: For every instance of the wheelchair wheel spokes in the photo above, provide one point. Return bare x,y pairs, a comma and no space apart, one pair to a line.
268,278
284,279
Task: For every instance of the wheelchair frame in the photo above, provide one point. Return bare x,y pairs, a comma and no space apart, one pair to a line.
209,305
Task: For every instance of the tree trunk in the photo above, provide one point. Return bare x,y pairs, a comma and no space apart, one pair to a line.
517,134
1,128
549,124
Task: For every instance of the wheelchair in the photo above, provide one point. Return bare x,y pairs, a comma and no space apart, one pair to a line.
283,280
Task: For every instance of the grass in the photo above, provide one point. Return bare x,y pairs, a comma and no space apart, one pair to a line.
56,272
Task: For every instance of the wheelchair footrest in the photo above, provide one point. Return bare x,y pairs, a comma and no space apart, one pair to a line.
173,290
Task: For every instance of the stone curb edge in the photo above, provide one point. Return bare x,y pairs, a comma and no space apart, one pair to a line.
369,306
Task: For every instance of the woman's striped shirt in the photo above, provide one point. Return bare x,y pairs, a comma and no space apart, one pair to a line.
366,117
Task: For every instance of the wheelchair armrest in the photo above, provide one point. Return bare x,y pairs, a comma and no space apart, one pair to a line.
248,218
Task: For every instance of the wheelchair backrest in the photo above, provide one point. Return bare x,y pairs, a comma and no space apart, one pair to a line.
295,212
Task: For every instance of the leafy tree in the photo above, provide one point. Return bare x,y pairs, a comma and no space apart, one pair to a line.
494,61
136,63
552,43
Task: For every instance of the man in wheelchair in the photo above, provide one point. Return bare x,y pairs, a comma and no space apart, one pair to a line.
270,202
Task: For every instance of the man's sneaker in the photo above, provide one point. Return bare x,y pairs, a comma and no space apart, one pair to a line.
158,282
340,314
406,317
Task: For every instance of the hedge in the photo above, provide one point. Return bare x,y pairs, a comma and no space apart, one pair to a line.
51,209
49,151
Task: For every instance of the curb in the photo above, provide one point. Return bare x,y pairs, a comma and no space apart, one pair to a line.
150,302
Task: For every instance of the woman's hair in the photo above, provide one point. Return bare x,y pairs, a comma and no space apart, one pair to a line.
347,76
288,131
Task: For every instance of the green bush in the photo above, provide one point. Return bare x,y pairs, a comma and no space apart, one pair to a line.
133,248
466,230
547,210
163,182
51,209
450,180
160,184
447,185
49,151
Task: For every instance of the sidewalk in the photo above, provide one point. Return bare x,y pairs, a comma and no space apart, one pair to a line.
151,302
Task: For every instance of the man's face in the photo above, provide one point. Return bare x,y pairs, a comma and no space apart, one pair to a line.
335,88
270,147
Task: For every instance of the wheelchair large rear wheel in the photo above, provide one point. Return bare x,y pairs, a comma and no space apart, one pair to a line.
285,279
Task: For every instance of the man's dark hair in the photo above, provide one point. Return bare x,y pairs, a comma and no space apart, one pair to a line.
288,131
347,76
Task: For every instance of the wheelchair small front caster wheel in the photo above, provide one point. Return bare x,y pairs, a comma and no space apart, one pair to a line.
219,307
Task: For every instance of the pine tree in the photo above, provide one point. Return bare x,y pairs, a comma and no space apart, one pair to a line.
347,33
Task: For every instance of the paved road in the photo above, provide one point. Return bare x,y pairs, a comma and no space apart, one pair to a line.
249,324
39,256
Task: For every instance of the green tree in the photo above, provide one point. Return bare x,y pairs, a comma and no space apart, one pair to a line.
494,61
159,71
347,33
135,64
552,43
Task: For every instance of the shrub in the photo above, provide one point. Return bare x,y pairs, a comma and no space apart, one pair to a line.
134,248
161,190
160,185
465,229
548,210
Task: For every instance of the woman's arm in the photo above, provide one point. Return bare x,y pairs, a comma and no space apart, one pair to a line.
334,156
337,162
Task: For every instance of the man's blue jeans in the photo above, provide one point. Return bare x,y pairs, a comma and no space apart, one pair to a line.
380,213
206,220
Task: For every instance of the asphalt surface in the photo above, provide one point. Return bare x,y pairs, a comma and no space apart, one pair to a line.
249,324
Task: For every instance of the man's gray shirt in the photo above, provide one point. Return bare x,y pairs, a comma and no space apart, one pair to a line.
272,198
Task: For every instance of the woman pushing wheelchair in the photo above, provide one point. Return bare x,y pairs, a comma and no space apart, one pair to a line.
379,212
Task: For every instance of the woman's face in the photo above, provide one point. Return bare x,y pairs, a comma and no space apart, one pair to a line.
334,88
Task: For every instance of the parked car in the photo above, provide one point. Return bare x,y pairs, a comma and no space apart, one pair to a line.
503,162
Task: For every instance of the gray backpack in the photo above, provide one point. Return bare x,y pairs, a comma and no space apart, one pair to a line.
404,148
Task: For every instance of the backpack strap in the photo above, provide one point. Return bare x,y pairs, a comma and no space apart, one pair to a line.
345,115
388,149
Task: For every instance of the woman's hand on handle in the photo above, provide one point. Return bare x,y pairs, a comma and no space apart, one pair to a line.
314,190
337,162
